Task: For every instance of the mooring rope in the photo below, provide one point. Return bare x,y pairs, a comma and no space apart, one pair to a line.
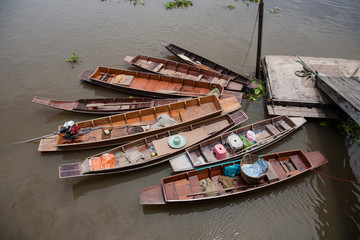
344,180
252,35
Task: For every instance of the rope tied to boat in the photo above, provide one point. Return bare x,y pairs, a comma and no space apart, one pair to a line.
339,179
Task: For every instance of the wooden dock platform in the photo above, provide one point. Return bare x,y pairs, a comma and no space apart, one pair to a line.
299,96
345,92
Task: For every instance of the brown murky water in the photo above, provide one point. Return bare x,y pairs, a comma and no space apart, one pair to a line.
36,37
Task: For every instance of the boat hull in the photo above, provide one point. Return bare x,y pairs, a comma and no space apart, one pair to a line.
194,133
192,58
103,106
148,84
184,113
266,132
185,187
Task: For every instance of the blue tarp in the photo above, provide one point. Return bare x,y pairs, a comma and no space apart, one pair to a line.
256,169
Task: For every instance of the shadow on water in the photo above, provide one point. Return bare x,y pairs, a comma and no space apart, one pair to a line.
91,183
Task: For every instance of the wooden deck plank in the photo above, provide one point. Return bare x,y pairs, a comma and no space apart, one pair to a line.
297,163
278,168
195,184
344,92
234,86
300,96
183,188
170,191
313,112
272,129
151,85
139,83
271,175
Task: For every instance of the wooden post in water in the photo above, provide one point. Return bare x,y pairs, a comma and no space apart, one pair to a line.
258,57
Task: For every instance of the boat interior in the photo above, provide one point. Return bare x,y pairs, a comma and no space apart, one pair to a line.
134,122
153,82
147,149
190,185
176,69
206,153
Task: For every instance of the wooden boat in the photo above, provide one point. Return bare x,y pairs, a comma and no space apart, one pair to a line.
176,69
104,105
201,62
86,74
151,85
150,150
186,187
267,132
121,128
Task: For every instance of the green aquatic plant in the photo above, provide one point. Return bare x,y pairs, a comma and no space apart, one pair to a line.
229,6
178,4
135,2
274,10
257,93
73,59
346,125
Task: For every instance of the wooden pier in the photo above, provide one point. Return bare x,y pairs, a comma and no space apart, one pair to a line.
345,91
302,96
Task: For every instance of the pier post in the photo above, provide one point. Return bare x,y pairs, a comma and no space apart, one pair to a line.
258,57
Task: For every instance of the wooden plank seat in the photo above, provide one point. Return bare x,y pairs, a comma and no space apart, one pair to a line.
195,185
297,163
271,174
158,67
280,172
272,129
208,155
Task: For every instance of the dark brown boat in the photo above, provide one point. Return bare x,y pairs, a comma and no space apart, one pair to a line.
190,186
121,128
176,69
151,150
199,61
151,85
104,105
266,133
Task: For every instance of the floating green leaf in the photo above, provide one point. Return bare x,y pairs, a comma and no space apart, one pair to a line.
73,59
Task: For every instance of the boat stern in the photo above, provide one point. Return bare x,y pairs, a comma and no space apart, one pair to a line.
152,196
316,159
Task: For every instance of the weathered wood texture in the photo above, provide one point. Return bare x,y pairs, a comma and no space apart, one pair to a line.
310,112
284,85
345,92
299,96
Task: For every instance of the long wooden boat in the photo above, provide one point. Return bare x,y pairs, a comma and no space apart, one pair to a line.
86,74
104,105
229,102
186,187
176,69
151,85
121,128
201,62
150,150
267,132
